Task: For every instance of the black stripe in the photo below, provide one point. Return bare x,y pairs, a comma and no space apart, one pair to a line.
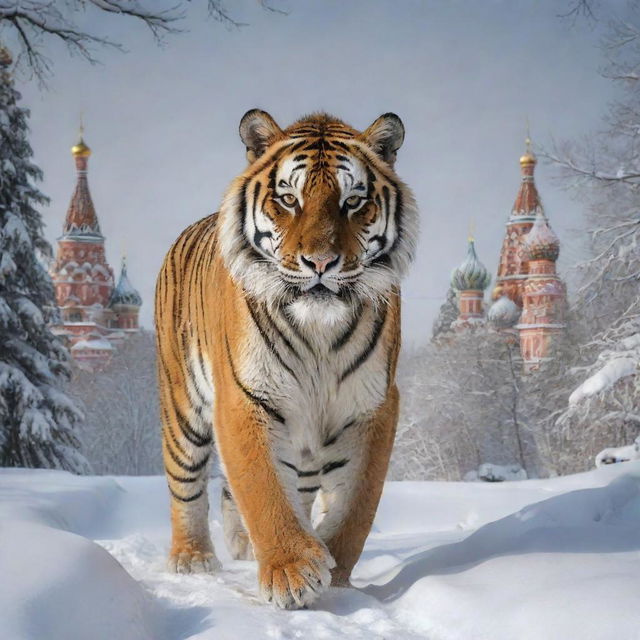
301,474
332,439
191,468
399,218
261,402
288,464
295,330
226,494
371,345
331,466
195,496
243,213
344,338
179,478
307,474
308,489
342,145
270,345
197,389
192,436
281,335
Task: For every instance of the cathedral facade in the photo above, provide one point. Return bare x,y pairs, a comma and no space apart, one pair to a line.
529,298
95,313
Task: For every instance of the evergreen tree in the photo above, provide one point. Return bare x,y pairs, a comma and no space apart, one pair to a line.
37,419
447,315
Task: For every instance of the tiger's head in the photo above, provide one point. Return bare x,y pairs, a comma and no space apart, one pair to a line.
319,221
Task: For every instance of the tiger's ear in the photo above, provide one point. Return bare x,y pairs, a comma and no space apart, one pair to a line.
258,130
385,136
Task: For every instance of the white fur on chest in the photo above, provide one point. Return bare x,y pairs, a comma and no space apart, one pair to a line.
315,397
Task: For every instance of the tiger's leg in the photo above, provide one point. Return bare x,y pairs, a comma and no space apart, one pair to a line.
187,448
352,487
294,565
235,533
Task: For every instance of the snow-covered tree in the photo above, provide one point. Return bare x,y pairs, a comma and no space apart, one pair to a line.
605,173
462,406
121,431
447,314
37,419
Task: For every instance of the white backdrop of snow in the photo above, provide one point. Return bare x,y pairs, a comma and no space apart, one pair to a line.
84,557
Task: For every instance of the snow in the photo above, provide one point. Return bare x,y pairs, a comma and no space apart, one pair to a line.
100,344
496,473
84,557
613,455
612,371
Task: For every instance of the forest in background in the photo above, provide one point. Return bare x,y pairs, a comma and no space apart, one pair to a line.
465,402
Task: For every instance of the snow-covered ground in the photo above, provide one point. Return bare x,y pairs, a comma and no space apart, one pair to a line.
83,558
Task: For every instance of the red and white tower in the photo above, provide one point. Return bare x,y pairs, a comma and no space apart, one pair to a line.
84,282
529,296
512,270
543,296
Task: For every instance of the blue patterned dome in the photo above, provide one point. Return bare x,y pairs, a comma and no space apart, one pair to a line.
124,293
471,275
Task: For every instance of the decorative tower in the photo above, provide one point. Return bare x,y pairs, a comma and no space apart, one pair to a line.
83,279
125,303
470,280
543,296
512,269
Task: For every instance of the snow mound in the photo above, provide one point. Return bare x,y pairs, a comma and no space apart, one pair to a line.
84,557
613,455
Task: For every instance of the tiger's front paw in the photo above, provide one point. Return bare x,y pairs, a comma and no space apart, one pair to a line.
296,582
193,561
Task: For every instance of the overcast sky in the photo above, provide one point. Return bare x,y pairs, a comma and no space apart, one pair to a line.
463,76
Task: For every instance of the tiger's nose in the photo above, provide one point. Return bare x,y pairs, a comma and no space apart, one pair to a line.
321,262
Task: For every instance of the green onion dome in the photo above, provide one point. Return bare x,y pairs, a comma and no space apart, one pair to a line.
124,294
471,275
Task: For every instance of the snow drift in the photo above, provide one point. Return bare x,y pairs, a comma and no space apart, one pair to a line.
83,557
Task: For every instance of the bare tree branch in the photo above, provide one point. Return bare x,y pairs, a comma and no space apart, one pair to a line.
32,22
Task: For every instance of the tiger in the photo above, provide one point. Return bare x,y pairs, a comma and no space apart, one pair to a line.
278,332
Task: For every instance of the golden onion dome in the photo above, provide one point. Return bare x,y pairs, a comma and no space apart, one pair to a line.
528,158
80,149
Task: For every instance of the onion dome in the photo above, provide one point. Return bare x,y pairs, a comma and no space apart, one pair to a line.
541,243
504,313
471,275
81,149
124,293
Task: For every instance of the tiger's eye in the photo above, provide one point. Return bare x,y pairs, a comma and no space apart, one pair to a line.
289,199
353,201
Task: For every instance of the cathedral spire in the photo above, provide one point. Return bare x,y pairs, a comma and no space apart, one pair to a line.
513,268
527,201
81,219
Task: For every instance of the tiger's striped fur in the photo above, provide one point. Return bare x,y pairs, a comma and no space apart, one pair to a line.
278,324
